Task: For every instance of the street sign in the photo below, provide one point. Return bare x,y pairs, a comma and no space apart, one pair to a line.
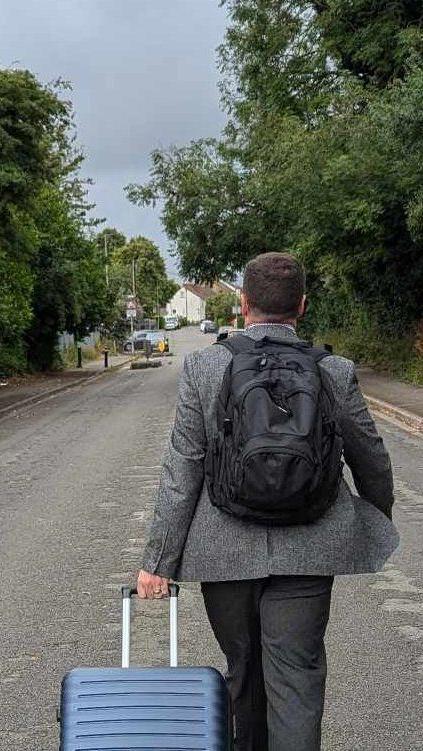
131,308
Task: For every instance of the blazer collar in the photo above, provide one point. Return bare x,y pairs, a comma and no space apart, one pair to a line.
274,330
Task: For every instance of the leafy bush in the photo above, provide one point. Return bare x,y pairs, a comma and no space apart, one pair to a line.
366,346
12,359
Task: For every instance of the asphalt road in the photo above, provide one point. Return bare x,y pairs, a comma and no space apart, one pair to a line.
78,474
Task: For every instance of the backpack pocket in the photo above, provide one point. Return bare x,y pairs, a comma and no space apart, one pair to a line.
277,476
221,470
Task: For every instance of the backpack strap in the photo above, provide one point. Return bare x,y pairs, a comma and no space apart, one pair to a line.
238,343
319,353
244,343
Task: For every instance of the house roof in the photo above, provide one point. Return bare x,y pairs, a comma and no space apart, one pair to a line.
222,286
200,291
204,292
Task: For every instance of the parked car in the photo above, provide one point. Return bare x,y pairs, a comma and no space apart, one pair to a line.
209,327
139,341
159,341
171,323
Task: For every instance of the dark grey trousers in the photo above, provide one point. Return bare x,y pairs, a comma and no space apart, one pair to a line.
272,634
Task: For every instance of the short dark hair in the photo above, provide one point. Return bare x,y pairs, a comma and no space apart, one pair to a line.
274,284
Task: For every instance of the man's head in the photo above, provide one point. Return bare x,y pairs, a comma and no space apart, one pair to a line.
273,289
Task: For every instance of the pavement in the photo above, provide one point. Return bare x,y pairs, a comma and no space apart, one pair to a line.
394,399
79,477
20,390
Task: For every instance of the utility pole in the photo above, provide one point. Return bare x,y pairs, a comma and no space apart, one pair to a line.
135,300
133,277
157,305
106,257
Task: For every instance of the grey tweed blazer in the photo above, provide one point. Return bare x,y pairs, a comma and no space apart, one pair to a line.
190,540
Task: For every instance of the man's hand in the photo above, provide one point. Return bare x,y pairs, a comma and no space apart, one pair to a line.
152,587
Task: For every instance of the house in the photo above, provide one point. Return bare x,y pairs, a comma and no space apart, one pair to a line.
190,300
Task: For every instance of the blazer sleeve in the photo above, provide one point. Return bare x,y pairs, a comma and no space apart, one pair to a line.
181,480
364,450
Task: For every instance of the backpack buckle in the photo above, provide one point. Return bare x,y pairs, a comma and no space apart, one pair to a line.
227,426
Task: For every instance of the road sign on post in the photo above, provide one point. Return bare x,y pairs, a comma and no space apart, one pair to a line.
131,314
131,309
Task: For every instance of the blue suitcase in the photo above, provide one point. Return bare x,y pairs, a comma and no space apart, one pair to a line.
144,709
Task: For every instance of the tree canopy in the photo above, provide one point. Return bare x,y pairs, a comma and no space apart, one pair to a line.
30,116
374,39
322,156
56,274
141,257
50,271
219,307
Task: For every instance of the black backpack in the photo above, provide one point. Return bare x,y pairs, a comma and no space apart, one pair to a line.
276,456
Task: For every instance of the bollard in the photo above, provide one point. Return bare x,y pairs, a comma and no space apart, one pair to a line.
79,353
106,357
148,349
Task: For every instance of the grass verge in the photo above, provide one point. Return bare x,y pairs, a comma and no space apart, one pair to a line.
401,358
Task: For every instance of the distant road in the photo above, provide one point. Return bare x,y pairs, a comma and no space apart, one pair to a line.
78,474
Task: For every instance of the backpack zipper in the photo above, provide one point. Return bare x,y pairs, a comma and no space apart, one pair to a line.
279,450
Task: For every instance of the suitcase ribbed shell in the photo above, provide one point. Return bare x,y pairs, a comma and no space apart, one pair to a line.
171,709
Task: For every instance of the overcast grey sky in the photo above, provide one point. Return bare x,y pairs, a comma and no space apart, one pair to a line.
143,73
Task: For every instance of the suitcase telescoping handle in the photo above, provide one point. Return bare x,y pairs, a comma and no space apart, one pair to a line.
127,593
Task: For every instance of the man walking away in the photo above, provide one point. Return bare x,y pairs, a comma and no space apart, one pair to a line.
253,505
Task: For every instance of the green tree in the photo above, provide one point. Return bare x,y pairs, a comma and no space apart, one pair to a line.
152,285
374,39
107,240
219,308
51,273
322,156
272,62
69,290
205,212
31,117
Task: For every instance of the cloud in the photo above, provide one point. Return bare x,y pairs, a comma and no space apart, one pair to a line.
143,75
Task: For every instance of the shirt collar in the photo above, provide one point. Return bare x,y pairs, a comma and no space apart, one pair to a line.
271,325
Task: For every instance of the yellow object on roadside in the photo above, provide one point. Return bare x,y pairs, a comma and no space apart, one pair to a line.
162,345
